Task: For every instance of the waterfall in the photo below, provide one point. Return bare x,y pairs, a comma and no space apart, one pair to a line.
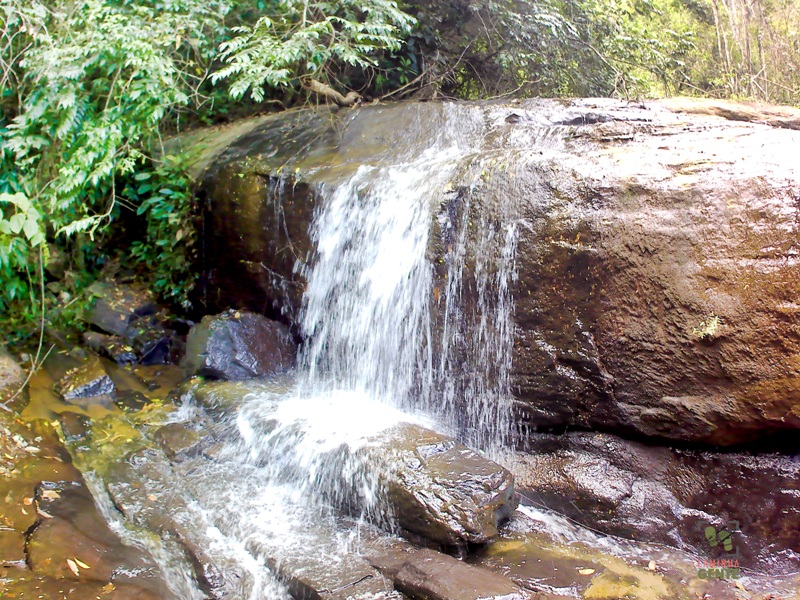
380,316
407,318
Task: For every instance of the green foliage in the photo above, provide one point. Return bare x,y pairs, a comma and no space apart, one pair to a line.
300,38
164,197
88,86
21,233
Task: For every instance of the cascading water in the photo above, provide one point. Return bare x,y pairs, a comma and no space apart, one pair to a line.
407,318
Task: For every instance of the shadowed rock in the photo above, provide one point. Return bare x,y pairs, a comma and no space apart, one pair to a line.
238,345
117,306
11,378
664,495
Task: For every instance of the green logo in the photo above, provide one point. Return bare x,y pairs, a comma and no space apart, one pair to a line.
721,542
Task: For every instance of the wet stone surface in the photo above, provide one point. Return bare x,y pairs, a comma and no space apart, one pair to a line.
89,380
238,345
664,495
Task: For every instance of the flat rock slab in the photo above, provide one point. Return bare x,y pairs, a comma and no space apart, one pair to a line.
72,541
425,574
325,573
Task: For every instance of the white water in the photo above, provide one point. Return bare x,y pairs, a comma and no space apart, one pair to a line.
407,317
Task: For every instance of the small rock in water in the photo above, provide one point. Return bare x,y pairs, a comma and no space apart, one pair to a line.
75,426
177,439
86,381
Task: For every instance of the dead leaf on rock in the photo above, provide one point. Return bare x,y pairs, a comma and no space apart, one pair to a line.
51,495
586,571
73,567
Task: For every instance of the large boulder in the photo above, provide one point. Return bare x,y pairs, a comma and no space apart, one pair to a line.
238,345
440,489
655,289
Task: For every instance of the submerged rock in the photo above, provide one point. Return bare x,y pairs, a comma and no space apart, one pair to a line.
90,380
75,426
178,439
656,256
238,345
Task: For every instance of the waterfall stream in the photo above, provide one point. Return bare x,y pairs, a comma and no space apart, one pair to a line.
375,356
403,293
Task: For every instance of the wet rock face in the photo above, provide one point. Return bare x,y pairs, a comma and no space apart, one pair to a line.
238,345
657,259
441,489
90,380
663,495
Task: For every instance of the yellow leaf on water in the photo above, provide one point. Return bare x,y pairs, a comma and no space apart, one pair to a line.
586,571
82,564
108,588
73,567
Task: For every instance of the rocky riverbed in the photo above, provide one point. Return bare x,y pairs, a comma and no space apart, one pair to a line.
535,349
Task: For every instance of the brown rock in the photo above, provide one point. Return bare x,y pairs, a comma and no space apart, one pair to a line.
71,540
429,575
441,489
656,289
11,378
